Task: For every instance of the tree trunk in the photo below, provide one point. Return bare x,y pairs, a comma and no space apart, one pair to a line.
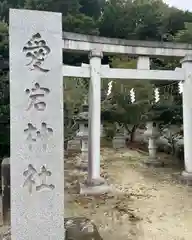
173,146
132,135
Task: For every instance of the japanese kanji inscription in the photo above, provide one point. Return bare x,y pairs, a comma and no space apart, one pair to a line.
34,135
36,119
36,96
32,177
43,175
37,50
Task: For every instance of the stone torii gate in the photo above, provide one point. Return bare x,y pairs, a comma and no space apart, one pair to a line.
96,47
36,103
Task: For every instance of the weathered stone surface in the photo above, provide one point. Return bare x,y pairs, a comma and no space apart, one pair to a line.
154,163
119,142
95,187
36,105
95,182
80,228
186,178
75,41
74,145
77,228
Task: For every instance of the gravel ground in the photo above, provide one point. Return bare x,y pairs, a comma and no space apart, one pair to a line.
145,204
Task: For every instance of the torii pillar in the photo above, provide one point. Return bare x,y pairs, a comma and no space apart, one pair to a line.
94,184
187,119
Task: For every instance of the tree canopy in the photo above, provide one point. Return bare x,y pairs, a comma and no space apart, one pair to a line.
127,19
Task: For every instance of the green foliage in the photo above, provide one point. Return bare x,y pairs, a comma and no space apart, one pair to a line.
65,7
74,92
185,35
128,19
118,107
141,19
4,115
4,45
168,114
73,19
38,4
74,95
174,21
80,24
4,9
91,8
109,131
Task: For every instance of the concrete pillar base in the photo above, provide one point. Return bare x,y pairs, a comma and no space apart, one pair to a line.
154,163
95,187
186,178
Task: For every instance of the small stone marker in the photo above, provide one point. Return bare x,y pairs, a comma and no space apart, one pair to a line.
80,228
119,142
36,90
74,144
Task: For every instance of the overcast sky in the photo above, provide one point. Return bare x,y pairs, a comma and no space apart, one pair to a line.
182,4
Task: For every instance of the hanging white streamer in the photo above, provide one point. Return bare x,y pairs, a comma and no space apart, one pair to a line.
180,87
132,95
110,85
157,98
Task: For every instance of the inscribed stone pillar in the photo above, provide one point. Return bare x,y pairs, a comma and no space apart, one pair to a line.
187,116
36,103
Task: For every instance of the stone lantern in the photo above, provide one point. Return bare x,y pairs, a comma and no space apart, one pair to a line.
119,138
152,134
82,121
